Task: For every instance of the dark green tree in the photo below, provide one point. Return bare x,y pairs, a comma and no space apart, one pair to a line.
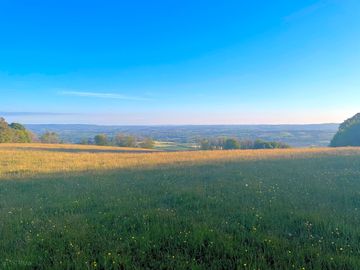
17,126
260,144
101,139
348,133
231,143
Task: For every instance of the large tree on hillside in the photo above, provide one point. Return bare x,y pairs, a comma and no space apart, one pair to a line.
5,131
14,133
20,134
348,134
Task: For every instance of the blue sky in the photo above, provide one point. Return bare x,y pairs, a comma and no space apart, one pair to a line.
179,62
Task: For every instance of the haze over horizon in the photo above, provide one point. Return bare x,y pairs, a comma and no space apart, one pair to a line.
40,118
162,63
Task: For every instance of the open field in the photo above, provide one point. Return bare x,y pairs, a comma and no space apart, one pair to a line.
23,160
73,207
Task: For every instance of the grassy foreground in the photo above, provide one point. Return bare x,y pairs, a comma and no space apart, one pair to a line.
86,209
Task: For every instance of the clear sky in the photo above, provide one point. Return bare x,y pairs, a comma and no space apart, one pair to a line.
179,62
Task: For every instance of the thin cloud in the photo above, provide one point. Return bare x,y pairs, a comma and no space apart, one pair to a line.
102,95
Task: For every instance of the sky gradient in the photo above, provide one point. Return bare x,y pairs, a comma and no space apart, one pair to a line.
179,62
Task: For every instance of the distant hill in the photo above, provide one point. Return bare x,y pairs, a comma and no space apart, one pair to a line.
348,133
294,135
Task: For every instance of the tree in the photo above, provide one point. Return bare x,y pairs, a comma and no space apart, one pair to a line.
6,133
101,139
348,133
231,144
124,140
213,143
14,133
20,134
260,144
50,137
147,143
17,126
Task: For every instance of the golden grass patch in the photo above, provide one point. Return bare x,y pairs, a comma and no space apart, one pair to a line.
21,160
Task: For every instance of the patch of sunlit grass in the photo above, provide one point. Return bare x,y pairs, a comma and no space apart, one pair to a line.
19,160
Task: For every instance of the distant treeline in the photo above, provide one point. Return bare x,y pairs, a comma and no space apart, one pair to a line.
17,133
121,140
233,143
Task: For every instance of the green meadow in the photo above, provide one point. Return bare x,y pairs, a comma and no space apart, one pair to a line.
299,213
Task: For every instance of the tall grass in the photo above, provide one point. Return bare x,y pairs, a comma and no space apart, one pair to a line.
288,209
22,160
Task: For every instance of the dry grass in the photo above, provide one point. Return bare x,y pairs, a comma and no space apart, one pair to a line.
75,147
19,160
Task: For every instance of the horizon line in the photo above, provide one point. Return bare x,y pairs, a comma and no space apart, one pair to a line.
109,125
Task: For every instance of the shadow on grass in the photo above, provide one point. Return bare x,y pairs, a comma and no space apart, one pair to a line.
269,168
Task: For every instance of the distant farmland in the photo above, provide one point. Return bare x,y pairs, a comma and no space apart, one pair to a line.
182,136
87,207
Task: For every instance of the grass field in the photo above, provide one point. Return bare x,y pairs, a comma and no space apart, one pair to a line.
73,207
